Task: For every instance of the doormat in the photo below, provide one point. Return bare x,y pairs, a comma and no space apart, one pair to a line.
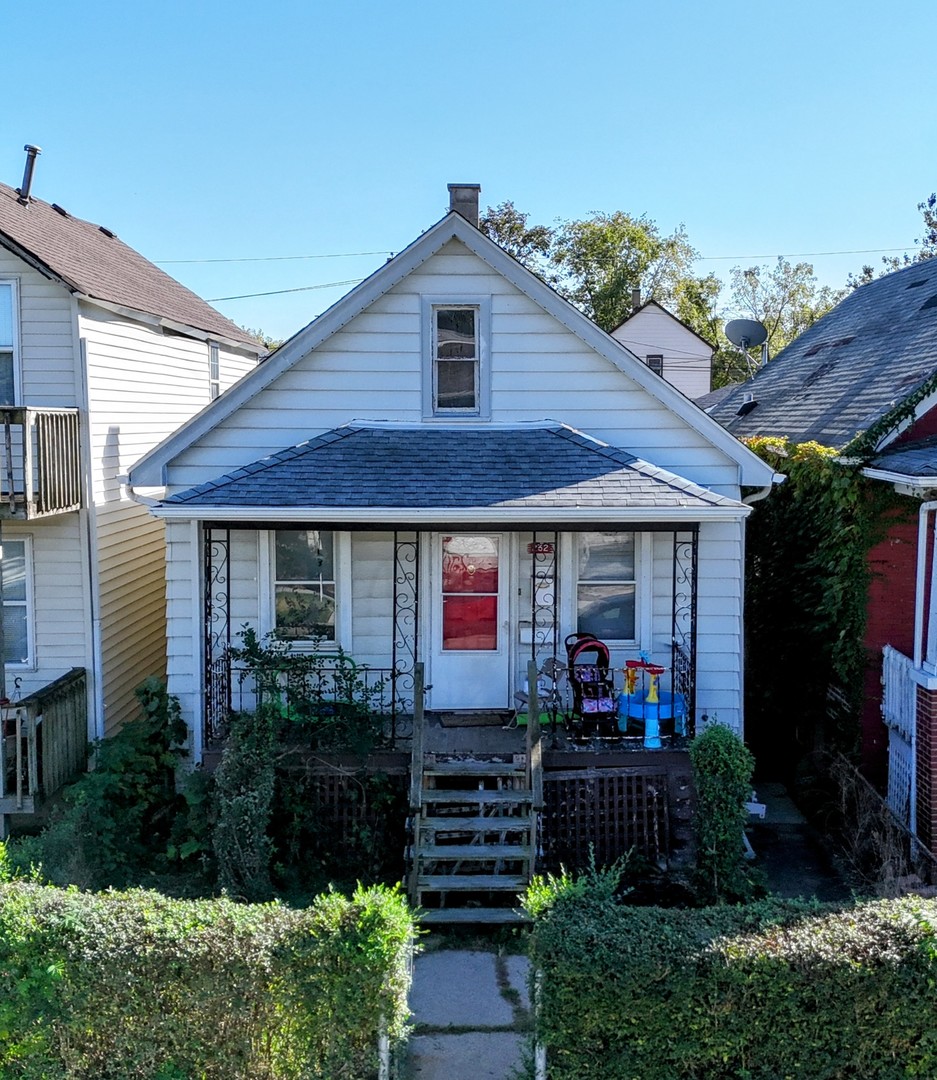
476,718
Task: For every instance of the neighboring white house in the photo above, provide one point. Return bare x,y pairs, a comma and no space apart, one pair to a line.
454,465
668,347
101,356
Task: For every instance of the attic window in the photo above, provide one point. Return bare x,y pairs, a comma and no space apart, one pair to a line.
929,303
655,363
456,367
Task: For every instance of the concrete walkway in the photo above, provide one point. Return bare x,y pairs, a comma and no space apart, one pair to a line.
471,1013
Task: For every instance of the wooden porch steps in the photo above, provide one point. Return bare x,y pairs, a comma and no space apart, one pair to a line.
474,840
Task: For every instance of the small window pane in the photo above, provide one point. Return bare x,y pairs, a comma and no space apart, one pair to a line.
14,570
7,391
304,555
6,316
15,635
305,611
607,611
606,556
455,334
455,384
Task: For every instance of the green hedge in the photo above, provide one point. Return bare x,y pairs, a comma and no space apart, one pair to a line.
767,991
118,985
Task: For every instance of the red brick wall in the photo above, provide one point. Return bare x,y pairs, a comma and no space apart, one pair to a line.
893,564
927,767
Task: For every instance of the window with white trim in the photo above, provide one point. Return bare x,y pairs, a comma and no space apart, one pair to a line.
455,360
7,343
17,603
214,371
304,585
606,588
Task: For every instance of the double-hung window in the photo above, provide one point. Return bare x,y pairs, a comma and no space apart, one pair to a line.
455,360
304,579
17,635
7,343
607,585
456,373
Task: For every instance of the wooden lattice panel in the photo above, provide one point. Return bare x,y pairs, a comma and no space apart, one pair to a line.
614,810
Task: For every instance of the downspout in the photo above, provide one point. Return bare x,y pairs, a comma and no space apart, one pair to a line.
920,581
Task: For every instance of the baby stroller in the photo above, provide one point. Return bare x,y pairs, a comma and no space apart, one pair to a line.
594,711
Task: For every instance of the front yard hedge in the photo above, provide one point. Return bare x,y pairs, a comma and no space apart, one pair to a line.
766,991
114,985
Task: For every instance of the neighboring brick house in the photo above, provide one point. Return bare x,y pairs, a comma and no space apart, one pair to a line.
870,365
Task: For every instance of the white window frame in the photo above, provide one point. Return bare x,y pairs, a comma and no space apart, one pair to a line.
430,304
643,586
29,664
214,370
341,552
14,284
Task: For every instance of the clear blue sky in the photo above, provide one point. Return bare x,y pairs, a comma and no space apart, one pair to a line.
223,130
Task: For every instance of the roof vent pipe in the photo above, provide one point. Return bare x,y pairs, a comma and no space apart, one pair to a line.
463,198
32,152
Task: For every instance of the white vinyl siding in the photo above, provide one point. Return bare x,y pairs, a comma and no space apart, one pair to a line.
373,368
669,348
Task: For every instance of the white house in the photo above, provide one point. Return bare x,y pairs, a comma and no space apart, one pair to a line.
101,356
453,411
668,347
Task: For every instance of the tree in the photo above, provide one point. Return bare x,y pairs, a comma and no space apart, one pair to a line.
927,250
262,338
529,244
784,297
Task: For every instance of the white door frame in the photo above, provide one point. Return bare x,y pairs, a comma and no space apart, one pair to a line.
488,676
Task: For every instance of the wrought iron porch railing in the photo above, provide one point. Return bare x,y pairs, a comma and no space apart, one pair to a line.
39,462
44,743
339,687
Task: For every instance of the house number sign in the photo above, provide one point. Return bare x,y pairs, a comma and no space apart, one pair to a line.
539,549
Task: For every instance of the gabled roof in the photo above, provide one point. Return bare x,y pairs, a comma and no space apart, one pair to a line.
150,470
670,315
535,467
873,351
912,462
92,262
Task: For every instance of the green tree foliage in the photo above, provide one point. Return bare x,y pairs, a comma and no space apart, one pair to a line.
927,249
529,244
784,297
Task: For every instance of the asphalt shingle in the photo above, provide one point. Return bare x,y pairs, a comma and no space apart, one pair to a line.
423,467
852,367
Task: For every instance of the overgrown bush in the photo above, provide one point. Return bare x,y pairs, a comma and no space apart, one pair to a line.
766,991
118,985
117,819
722,773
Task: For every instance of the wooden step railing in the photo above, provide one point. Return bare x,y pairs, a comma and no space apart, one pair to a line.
40,470
44,744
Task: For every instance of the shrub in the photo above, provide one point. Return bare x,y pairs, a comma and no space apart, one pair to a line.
722,770
133,984
769,990
117,819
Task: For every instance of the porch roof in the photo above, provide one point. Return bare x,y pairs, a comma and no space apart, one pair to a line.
534,467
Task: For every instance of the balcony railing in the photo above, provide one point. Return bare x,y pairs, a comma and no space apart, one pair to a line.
43,743
39,462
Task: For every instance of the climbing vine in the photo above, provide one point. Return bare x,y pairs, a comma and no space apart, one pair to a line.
807,589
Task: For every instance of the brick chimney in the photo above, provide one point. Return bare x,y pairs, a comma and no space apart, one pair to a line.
463,198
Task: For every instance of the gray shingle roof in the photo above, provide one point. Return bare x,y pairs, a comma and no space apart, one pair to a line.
917,458
851,367
358,466
101,266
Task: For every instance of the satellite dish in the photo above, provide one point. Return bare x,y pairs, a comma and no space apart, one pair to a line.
746,333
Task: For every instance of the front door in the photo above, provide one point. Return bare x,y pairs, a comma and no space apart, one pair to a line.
470,626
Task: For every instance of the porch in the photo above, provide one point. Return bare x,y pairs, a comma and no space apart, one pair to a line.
39,462
44,744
